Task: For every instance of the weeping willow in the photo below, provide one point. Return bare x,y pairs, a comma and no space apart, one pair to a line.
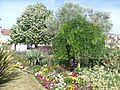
79,38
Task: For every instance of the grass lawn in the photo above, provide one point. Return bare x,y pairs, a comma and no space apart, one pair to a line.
20,80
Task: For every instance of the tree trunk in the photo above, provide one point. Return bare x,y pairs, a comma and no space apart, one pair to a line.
30,46
36,45
68,49
15,46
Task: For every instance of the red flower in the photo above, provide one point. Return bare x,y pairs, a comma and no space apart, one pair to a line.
73,74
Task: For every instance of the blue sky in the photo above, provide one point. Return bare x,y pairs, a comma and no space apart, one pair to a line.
11,9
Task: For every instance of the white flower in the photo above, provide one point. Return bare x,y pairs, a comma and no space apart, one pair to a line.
36,74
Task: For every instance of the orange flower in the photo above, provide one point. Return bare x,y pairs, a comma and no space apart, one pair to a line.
74,87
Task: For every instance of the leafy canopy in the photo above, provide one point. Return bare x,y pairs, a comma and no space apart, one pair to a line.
70,10
31,25
79,38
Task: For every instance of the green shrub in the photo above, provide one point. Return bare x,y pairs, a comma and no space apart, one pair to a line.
21,57
112,59
79,38
5,61
50,59
36,68
36,57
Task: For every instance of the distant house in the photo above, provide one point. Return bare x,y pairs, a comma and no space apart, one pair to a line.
113,40
5,37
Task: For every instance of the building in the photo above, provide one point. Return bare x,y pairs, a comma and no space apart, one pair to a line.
5,37
113,40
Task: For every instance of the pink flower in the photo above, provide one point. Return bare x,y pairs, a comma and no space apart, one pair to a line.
72,74
75,89
46,84
51,83
41,77
44,77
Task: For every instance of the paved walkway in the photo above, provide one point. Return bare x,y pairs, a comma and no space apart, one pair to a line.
20,80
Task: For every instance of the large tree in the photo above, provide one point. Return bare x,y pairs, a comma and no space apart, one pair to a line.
71,10
102,19
79,38
31,26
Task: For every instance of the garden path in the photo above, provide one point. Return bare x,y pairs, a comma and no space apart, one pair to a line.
20,80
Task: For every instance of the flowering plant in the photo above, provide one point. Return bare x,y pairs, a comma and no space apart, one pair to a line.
53,79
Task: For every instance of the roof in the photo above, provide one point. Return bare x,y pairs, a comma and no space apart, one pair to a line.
5,32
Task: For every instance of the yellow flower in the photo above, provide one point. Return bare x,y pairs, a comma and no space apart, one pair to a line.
45,69
69,87
73,78
16,65
47,79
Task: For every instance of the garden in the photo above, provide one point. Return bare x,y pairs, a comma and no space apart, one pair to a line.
78,59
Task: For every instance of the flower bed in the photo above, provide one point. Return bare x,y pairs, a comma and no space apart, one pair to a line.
56,78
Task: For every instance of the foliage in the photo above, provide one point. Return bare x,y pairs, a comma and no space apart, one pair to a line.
31,25
101,78
5,61
50,59
71,10
79,39
96,78
36,68
21,57
52,27
102,19
36,57
112,59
